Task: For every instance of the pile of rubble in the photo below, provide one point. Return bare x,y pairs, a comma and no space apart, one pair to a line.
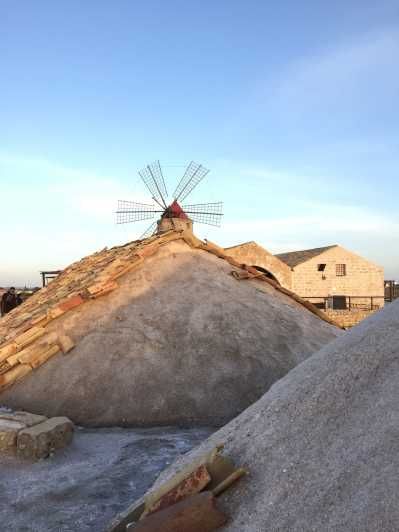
33,436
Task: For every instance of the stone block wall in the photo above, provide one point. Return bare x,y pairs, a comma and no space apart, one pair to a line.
32,436
349,318
253,254
363,278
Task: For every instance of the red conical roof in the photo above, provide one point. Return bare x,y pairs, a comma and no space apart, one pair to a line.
175,211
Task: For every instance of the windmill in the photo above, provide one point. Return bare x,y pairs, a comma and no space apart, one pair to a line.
173,213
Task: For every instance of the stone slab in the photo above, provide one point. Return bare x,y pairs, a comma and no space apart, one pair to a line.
41,440
26,418
9,430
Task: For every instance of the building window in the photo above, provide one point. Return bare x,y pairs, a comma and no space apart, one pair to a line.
321,267
340,270
339,302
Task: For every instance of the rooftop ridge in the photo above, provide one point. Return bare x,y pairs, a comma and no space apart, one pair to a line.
293,258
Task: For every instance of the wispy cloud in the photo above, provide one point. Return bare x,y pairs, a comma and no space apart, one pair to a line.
69,190
51,226
324,224
56,214
341,75
324,218
337,70
329,85
43,166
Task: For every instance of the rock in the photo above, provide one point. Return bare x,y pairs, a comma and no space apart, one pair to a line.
29,420
40,440
197,513
8,434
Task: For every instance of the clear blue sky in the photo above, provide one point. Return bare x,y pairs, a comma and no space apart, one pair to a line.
294,106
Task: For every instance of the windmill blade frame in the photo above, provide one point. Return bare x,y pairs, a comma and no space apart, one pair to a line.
149,231
131,211
205,213
192,176
153,179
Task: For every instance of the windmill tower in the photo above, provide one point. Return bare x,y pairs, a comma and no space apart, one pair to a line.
173,213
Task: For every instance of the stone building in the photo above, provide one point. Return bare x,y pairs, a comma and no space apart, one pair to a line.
346,286
253,254
334,277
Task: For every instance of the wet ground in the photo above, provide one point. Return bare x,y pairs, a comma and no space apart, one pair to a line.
82,487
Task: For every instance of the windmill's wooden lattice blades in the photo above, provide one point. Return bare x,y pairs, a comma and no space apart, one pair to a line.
149,231
130,211
192,176
205,213
153,179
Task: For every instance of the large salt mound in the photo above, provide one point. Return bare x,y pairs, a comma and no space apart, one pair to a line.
179,341
322,446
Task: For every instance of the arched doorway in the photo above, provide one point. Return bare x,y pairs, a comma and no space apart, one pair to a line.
267,273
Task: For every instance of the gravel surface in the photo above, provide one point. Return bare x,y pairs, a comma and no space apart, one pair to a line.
84,486
322,446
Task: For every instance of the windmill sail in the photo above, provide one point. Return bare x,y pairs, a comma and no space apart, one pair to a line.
205,213
192,176
130,211
149,231
152,177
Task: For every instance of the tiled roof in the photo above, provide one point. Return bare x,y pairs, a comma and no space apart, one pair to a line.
249,243
25,341
293,258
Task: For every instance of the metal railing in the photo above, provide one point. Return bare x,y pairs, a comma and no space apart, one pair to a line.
347,302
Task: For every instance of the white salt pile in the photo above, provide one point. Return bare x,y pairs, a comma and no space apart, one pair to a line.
322,446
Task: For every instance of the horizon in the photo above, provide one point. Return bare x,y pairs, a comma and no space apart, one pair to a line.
292,107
